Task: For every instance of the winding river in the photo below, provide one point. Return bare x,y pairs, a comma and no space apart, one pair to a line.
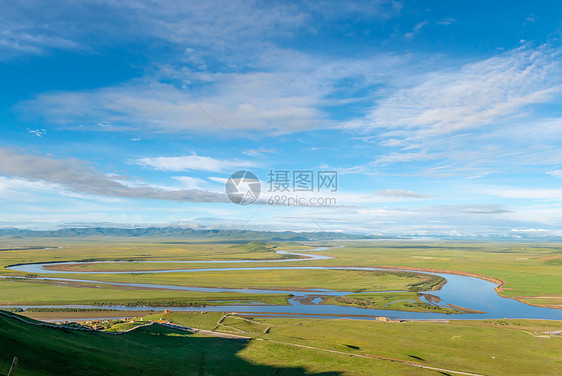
469,292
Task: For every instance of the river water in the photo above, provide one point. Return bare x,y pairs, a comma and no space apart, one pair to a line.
469,292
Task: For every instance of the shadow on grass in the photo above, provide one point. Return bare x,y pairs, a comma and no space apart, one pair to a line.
154,350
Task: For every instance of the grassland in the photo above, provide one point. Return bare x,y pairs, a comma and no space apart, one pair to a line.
471,347
133,249
341,280
36,292
531,273
287,347
81,316
155,350
399,301
527,271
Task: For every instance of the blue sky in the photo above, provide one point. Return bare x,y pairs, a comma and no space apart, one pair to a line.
441,118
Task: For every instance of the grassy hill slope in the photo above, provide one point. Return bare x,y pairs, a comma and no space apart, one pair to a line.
154,350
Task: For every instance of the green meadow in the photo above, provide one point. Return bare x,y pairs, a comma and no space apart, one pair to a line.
530,272
35,292
279,346
527,270
399,301
286,347
341,280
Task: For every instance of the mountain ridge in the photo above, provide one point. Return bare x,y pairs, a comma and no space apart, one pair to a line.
179,232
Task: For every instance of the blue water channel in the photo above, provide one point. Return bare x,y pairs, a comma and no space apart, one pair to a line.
464,291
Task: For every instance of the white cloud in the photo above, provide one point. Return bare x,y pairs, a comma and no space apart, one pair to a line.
474,220
208,184
447,21
80,177
16,42
557,173
285,92
37,28
189,182
400,193
526,193
194,163
397,157
35,192
477,94
217,179
476,120
37,132
415,30
260,151
239,31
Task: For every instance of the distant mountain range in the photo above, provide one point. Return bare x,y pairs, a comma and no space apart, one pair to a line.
235,236
182,233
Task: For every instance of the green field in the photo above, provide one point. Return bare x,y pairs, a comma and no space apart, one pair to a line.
527,270
287,347
399,301
34,292
531,272
341,280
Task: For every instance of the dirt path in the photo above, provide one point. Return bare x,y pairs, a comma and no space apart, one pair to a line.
220,324
205,332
